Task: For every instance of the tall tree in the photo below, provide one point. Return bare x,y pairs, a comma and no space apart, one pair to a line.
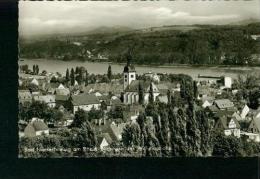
151,95
67,75
109,73
80,118
72,77
34,69
131,135
37,69
169,96
140,93
86,78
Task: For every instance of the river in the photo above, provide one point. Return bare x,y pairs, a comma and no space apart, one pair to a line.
101,68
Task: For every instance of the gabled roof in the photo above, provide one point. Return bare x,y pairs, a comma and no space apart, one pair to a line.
224,121
134,86
116,131
221,113
45,98
116,101
223,103
256,121
61,97
24,94
115,88
102,136
64,91
37,125
84,99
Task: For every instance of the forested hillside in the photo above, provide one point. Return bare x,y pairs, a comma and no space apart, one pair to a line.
198,45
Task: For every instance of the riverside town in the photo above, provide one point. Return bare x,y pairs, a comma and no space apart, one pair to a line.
138,80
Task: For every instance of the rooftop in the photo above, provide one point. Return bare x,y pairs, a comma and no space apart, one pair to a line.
224,103
84,99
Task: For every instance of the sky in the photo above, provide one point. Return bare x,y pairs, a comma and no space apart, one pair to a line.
48,17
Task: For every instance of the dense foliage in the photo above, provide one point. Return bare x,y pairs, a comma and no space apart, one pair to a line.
213,45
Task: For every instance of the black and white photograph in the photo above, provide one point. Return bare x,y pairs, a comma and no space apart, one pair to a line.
138,79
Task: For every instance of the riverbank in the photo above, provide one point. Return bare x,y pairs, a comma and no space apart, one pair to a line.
157,65
101,68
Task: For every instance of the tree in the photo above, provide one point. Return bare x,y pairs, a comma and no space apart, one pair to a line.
72,77
195,89
84,136
80,118
151,96
140,94
109,73
226,146
169,96
34,70
131,135
37,69
95,114
86,78
67,75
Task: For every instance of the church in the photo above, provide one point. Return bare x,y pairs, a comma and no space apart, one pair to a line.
132,86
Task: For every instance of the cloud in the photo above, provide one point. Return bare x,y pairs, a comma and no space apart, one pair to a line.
48,17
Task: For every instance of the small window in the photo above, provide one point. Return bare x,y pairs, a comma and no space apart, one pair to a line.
125,76
125,80
132,76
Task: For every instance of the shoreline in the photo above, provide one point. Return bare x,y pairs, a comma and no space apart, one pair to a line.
232,67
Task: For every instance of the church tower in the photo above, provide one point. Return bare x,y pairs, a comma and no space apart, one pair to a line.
129,72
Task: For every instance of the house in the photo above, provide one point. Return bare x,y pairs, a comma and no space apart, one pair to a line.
48,99
224,104
244,112
116,131
251,136
229,125
207,101
24,96
104,140
62,100
164,87
132,112
35,82
255,37
113,103
61,90
35,128
153,76
104,88
254,127
162,98
112,129
84,101
50,88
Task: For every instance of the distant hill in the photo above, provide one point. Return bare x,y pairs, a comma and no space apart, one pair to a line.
105,29
194,44
246,21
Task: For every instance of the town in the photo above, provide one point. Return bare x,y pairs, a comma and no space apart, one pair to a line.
132,114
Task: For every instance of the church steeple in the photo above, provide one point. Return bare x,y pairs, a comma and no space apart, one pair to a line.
129,70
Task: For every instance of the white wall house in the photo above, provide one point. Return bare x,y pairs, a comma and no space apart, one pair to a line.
229,125
85,101
227,82
35,128
87,107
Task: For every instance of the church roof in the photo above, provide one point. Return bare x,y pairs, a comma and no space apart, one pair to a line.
134,86
129,68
